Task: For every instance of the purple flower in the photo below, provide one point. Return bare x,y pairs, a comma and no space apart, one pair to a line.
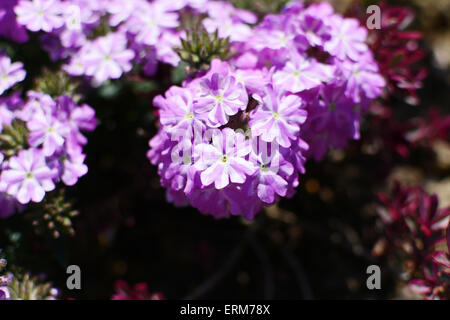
278,118
278,33
6,115
210,201
120,11
299,106
254,80
322,10
297,152
332,121
274,39
39,15
224,161
161,146
37,101
47,131
315,31
8,205
27,176
347,39
4,293
72,168
76,118
271,177
220,97
165,49
302,74
363,79
177,111
179,173
221,10
10,73
149,20
107,58
228,28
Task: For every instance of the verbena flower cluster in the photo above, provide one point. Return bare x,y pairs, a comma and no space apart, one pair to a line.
102,39
52,141
235,138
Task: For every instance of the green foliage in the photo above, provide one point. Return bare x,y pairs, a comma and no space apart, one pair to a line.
13,138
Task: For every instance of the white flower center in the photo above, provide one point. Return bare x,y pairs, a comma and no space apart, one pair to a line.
152,23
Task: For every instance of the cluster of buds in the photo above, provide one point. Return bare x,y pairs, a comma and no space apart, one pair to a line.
414,227
201,47
57,216
27,287
13,138
56,84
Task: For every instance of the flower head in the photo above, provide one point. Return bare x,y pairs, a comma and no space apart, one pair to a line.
10,73
302,74
107,58
278,117
48,131
348,38
224,161
220,97
27,176
39,15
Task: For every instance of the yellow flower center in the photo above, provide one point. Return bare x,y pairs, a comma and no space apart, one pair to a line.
219,98
224,158
276,115
190,116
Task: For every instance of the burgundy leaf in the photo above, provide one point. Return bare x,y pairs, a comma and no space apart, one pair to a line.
442,258
448,237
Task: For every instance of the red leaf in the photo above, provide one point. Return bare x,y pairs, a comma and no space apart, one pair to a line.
442,258
448,237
